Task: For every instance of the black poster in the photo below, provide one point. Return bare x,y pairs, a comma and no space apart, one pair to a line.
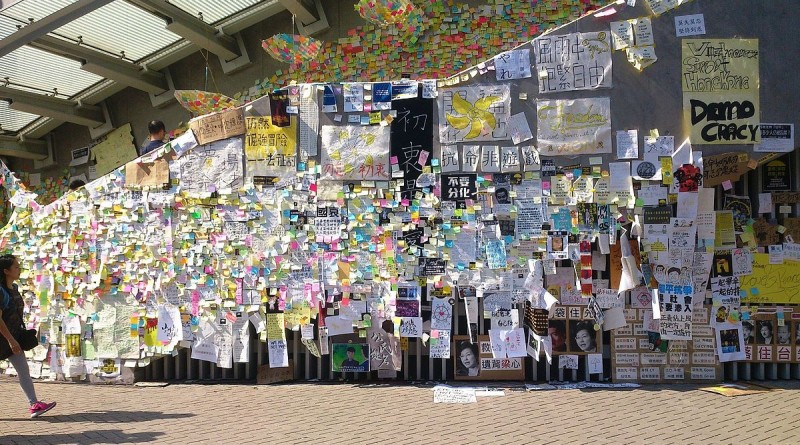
412,140
777,175
429,267
459,187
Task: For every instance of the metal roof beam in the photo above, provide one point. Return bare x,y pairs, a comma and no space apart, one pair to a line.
301,10
57,108
105,65
23,147
191,28
40,28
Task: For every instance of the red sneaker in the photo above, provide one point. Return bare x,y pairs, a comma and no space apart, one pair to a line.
39,408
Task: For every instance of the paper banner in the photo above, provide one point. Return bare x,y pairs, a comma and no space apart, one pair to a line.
355,152
570,127
585,56
720,83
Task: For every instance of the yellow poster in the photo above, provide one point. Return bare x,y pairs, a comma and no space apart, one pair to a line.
271,150
275,324
772,283
725,236
116,149
720,81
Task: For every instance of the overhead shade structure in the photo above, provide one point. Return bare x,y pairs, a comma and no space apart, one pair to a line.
292,48
203,102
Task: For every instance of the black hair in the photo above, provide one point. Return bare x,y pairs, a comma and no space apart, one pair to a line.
155,126
462,346
351,349
580,326
76,184
6,261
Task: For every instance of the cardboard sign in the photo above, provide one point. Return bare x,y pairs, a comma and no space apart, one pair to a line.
150,174
222,125
267,375
474,361
616,261
724,167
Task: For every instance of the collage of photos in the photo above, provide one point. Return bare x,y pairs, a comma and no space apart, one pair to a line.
768,338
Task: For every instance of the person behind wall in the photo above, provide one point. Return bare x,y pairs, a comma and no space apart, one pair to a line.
157,132
12,326
76,184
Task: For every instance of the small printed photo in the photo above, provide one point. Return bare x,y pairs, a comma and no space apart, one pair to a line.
797,333
748,331
350,357
467,359
765,333
783,334
557,330
583,337
729,339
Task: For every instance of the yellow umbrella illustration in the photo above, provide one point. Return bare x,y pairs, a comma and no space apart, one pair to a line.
475,116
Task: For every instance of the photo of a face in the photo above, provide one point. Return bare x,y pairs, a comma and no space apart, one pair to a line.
797,333
583,336
784,335
467,362
747,330
557,330
764,334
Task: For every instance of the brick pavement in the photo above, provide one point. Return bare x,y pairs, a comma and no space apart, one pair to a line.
369,413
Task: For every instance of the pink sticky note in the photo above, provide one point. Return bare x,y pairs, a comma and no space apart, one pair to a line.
423,157
727,185
393,160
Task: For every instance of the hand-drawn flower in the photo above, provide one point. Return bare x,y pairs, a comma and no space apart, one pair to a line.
476,116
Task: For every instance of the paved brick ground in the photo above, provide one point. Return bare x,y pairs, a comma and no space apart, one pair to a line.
351,414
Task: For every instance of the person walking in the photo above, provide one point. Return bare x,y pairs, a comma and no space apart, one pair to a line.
11,326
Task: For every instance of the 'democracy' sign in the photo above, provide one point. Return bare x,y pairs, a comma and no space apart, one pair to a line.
720,82
570,127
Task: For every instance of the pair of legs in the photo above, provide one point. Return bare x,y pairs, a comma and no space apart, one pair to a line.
21,366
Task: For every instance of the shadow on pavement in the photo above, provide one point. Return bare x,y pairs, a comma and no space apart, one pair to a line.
89,437
107,417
